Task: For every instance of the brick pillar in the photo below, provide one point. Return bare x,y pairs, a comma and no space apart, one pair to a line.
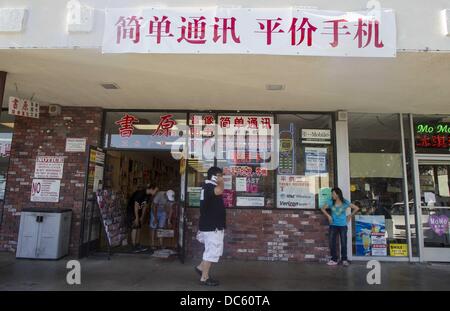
2,93
2,85
47,136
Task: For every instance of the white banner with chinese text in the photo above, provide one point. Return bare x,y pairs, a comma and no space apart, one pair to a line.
280,31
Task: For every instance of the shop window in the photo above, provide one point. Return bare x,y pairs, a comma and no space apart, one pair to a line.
244,152
201,153
306,160
376,177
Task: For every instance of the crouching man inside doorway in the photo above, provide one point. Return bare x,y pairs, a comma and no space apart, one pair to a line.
211,224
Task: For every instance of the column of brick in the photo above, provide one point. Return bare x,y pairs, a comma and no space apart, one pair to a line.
47,136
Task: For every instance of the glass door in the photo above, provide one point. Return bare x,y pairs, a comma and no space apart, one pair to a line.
434,181
91,225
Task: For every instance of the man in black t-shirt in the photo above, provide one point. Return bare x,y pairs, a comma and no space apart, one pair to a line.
137,207
212,224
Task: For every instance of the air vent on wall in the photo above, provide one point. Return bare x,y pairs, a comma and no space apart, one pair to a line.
342,115
275,87
109,86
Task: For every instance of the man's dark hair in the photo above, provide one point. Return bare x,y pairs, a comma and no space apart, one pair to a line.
214,171
151,186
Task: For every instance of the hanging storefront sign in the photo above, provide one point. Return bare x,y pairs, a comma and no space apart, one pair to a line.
275,31
75,144
315,161
23,107
370,232
316,136
49,167
296,191
45,190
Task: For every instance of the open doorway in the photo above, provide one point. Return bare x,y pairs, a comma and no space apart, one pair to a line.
129,172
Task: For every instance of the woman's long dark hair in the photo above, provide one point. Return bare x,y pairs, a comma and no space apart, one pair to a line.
338,192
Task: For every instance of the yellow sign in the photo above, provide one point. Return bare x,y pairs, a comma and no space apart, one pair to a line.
398,250
352,188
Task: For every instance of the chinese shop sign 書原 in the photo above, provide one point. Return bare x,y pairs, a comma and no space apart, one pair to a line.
274,31
23,107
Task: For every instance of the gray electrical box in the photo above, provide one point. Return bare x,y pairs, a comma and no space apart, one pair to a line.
44,233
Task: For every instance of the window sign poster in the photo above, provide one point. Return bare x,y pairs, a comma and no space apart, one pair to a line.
45,190
369,229
296,191
250,201
398,250
378,243
286,153
228,197
316,136
324,196
49,167
228,182
194,196
241,184
315,161
97,156
98,178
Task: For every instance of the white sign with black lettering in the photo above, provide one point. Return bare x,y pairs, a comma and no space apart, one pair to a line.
75,144
250,201
316,136
49,167
296,191
45,190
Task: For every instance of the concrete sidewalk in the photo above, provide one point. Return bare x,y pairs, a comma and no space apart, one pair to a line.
142,272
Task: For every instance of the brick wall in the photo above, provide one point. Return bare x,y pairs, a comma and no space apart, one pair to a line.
47,136
286,235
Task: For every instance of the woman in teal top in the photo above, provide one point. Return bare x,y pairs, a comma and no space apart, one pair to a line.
338,224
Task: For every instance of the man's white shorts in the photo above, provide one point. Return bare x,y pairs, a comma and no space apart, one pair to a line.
213,241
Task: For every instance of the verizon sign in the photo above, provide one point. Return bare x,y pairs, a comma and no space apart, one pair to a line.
276,31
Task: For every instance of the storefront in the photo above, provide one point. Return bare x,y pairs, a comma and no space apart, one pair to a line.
281,99
273,206
279,168
393,157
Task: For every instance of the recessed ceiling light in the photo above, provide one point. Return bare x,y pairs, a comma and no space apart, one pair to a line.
109,86
275,87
